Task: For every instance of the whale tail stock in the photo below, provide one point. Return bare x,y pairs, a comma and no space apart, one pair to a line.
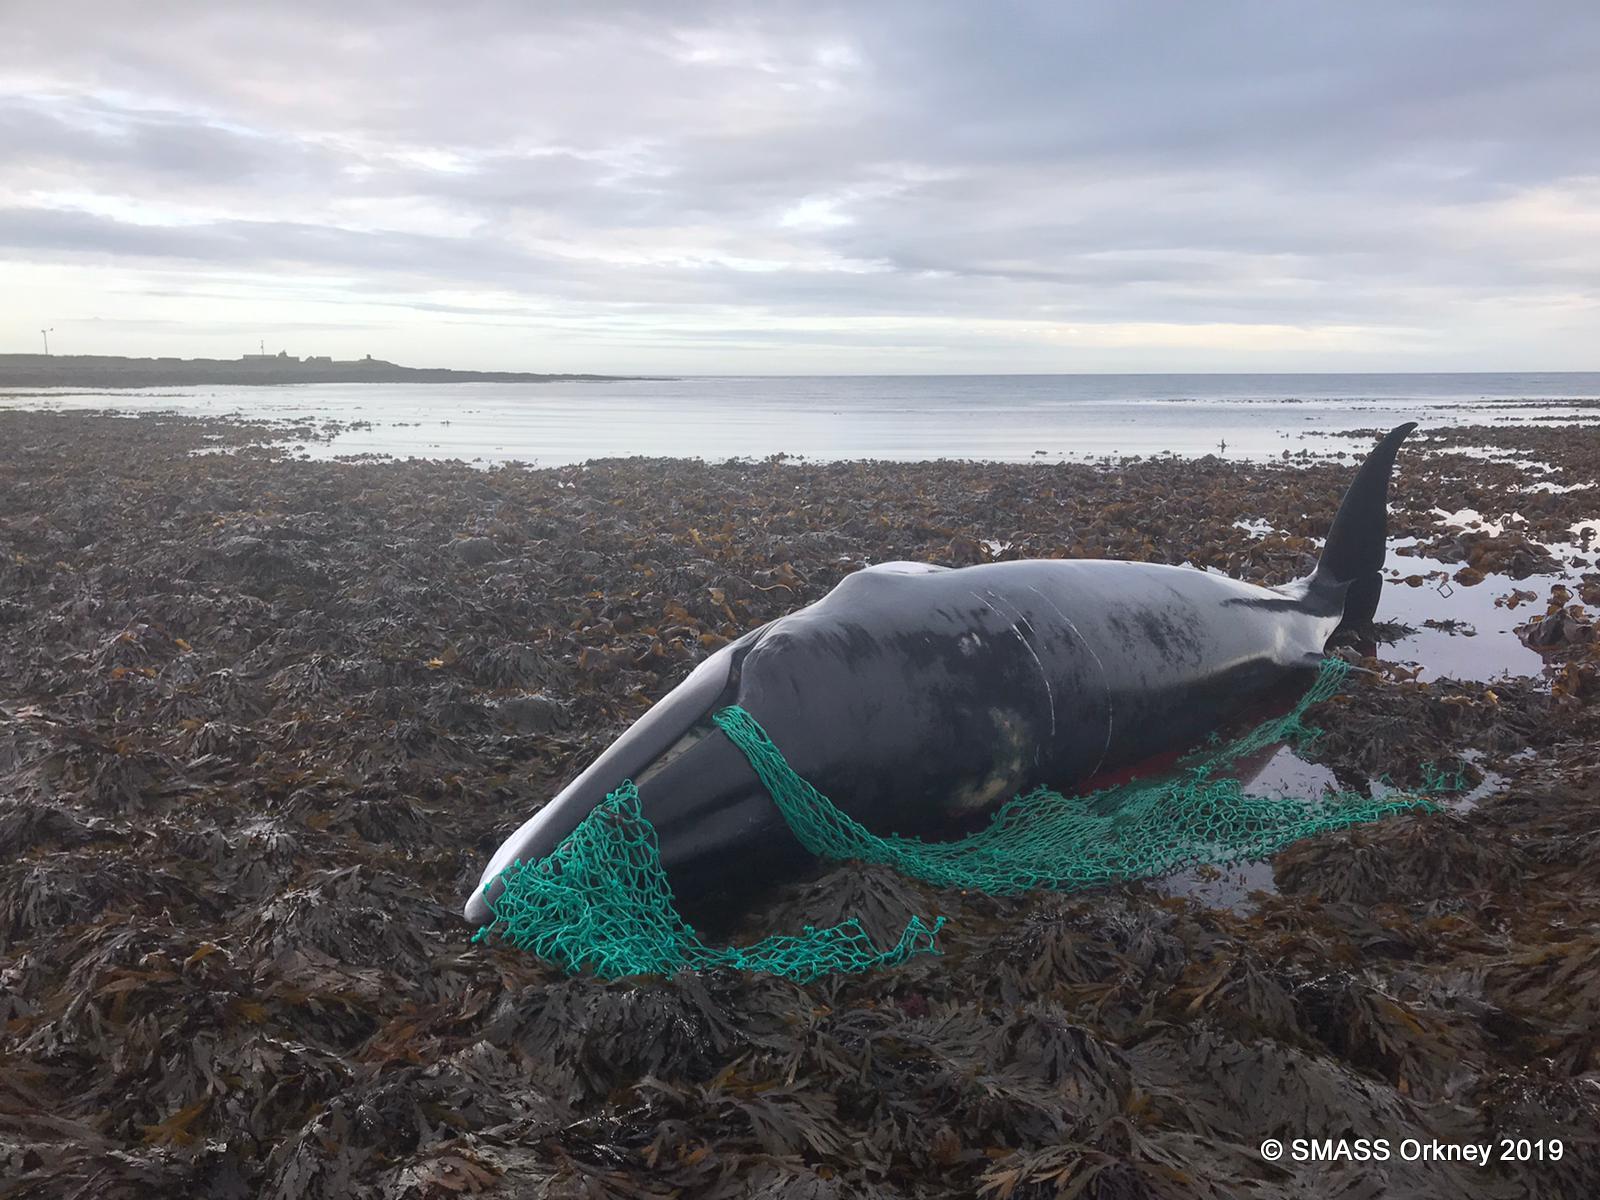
1352,559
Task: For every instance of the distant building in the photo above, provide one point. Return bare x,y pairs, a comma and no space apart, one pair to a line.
278,359
319,360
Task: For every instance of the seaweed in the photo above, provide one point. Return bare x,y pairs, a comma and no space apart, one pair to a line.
263,718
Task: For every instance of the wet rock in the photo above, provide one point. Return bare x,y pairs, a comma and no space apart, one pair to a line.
532,713
475,551
241,547
1563,628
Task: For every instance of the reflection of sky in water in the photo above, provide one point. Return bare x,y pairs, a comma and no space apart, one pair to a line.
1489,650
906,418
1280,773
1492,648
1283,774
1221,886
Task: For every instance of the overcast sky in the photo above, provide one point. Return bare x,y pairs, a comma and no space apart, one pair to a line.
809,187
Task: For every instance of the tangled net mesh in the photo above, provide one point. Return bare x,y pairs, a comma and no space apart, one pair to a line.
602,900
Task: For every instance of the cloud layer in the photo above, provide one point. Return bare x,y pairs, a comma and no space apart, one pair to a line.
809,187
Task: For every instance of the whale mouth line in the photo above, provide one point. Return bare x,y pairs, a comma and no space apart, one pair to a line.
703,727
702,796
697,733
656,740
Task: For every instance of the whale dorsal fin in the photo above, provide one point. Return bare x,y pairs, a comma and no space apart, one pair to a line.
1352,560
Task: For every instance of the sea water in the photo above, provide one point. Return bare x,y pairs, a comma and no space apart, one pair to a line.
1006,418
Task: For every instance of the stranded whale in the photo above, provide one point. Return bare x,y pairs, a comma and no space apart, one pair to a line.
919,698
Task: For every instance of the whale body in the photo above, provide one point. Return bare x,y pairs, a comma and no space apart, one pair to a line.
919,698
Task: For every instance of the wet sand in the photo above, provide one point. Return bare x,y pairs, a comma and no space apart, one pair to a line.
262,720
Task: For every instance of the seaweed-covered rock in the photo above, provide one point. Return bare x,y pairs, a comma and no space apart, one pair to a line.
262,719
1422,858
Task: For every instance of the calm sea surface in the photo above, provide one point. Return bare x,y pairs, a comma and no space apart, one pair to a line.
998,417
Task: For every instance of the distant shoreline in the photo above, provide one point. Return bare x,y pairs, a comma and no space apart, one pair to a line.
107,371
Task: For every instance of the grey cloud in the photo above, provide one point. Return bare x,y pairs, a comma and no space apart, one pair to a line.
35,231
1097,161
90,138
1093,289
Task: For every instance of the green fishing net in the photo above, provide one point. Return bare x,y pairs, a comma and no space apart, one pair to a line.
603,901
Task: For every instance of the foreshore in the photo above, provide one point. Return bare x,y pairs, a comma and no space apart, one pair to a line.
263,719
